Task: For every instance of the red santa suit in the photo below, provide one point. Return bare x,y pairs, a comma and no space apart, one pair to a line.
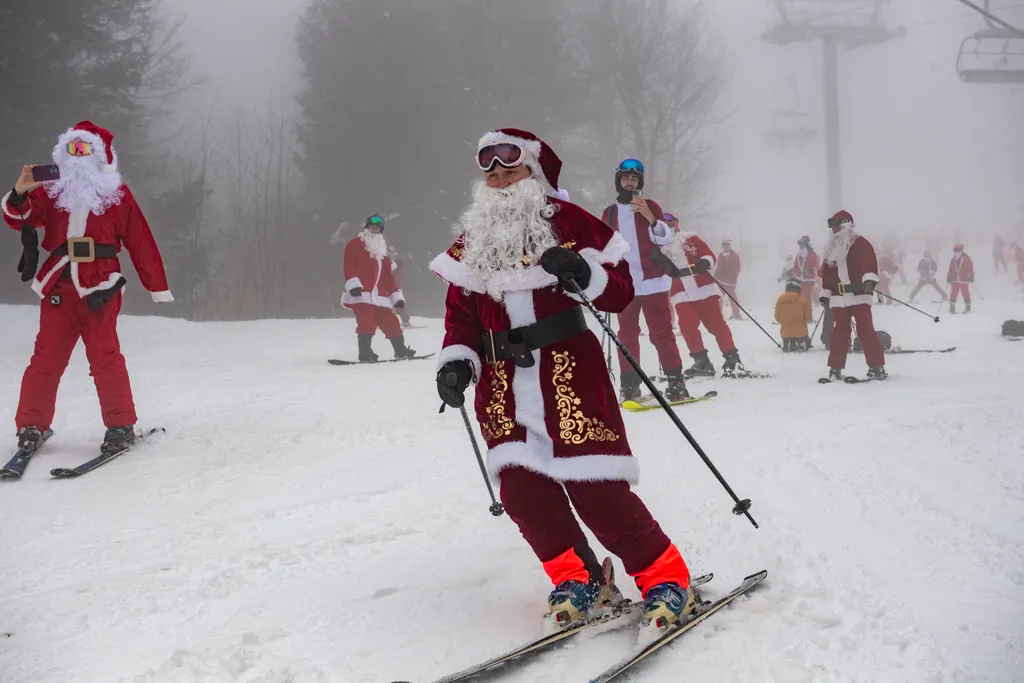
650,284
806,267
83,267
727,272
842,280
1018,256
696,297
887,270
373,274
960,276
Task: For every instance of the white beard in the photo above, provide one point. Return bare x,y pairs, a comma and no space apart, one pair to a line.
375,245
83,183
503,228
838,245
676,249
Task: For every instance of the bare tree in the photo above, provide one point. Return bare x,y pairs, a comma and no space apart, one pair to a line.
664,83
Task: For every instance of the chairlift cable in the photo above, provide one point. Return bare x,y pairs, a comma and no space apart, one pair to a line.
991,17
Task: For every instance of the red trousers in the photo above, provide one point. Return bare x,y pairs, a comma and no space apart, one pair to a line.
729,289
621,522
658,314
958,288
63,319
370,317
693,313
839,345
810,291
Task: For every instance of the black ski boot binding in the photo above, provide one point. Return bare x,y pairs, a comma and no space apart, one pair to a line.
401,350
733,366
702,366
877,372
676,389
366,354
29,439
117,439
630,387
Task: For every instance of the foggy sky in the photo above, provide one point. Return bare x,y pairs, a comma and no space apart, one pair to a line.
920,149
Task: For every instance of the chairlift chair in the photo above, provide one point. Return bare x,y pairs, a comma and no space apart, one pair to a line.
991,56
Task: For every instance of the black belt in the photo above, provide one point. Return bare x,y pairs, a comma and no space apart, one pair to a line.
518,343
85,250
850,289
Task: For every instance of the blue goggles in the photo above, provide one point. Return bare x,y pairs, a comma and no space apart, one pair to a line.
631,166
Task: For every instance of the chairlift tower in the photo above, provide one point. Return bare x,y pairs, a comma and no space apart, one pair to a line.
850,23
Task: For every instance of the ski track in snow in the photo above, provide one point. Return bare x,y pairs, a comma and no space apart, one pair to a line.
302,523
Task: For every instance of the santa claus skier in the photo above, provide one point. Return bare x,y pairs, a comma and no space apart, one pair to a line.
959,278
88,214
687,259
641,223
806,267
727,272
544,401
371,291
849,276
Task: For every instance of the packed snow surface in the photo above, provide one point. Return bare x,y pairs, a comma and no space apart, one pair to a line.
305,523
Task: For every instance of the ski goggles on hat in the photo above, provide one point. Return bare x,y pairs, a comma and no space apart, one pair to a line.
507,154
79,148
375,220
631,166
670,218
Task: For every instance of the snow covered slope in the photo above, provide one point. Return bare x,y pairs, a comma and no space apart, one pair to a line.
304,523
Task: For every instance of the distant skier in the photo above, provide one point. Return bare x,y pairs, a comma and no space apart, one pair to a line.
1018,257
727,272
396,269
887,271
687,259
926,272
787,271
806,267
88,214
793,312
544,401
849,277
959,278
371,292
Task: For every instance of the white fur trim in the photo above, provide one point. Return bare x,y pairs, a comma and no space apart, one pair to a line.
498,138
613,252
353,282
460,352
39,284
396,297
561,194
84,291
848,300
873,277
577,468
77,219
596,286
3,205
164,297
661,234
459,274
692,292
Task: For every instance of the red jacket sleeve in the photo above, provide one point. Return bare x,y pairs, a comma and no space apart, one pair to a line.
462,329
32,212
138,240
350,265
611,286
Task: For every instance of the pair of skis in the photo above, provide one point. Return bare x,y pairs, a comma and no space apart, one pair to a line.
622,614
339,361
16,466
648,402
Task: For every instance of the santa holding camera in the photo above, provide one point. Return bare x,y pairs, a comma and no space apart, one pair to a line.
87,214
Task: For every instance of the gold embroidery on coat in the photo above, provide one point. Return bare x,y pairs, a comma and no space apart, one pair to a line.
457,252
574,426
498,424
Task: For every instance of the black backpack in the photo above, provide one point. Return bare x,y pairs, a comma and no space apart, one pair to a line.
1013,328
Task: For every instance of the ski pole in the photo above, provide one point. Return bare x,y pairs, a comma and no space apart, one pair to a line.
820,316
977,289
913,308
496,508
745,311
742,507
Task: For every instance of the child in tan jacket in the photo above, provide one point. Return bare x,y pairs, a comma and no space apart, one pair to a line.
793,312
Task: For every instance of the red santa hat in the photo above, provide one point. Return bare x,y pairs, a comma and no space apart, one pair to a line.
101,139
540,159
841,217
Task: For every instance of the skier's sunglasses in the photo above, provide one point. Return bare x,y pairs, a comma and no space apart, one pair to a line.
79,148
506,154
631,165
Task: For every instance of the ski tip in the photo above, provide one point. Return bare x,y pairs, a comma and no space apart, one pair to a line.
711,394
62,473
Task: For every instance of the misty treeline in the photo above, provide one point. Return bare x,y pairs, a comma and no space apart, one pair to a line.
393,97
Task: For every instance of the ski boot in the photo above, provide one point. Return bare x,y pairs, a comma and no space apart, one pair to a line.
733,366
571,600
835,375
702,366
117,439
676,389
967,307
29,439
952,308
402,352
667,604
877,372
366,354
630,387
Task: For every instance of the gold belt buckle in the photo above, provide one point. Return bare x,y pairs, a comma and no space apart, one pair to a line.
842,289
88,258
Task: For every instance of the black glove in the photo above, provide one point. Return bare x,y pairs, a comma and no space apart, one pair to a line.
825,302
94,301
356,291
399,304
665,263
29,254
452,380
868,286
565,263
701,266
